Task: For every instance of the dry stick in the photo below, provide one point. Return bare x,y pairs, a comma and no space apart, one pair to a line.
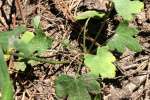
20,10
147,83
2,19
41,60
14,20
3,22
140,67
92,40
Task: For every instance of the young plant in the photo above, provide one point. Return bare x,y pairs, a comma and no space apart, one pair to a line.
28,45
102,63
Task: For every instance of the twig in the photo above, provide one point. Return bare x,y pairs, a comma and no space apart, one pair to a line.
3,22
65,10
20,10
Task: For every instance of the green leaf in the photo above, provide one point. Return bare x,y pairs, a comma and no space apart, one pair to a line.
20,66
101,63
27,36
38,43
124,38
91,84
23,48
23,43
37,26
98,97
89,14
8,38
7,57
30,43
127,8
5,83
74,88
36,22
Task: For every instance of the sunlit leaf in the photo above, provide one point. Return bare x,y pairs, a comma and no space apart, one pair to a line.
20,66
101,63
8,38
27,37
40,43
89,14
30,43
36,44
128,8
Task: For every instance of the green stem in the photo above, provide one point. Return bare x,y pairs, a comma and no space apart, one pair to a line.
101,28
84,34
41,59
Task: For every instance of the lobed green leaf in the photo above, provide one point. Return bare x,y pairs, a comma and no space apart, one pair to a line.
8,38
124,38
127,9
76,88
101,63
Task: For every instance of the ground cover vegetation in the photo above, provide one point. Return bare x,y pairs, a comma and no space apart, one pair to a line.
74,50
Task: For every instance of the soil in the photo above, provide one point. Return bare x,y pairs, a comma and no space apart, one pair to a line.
132,81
